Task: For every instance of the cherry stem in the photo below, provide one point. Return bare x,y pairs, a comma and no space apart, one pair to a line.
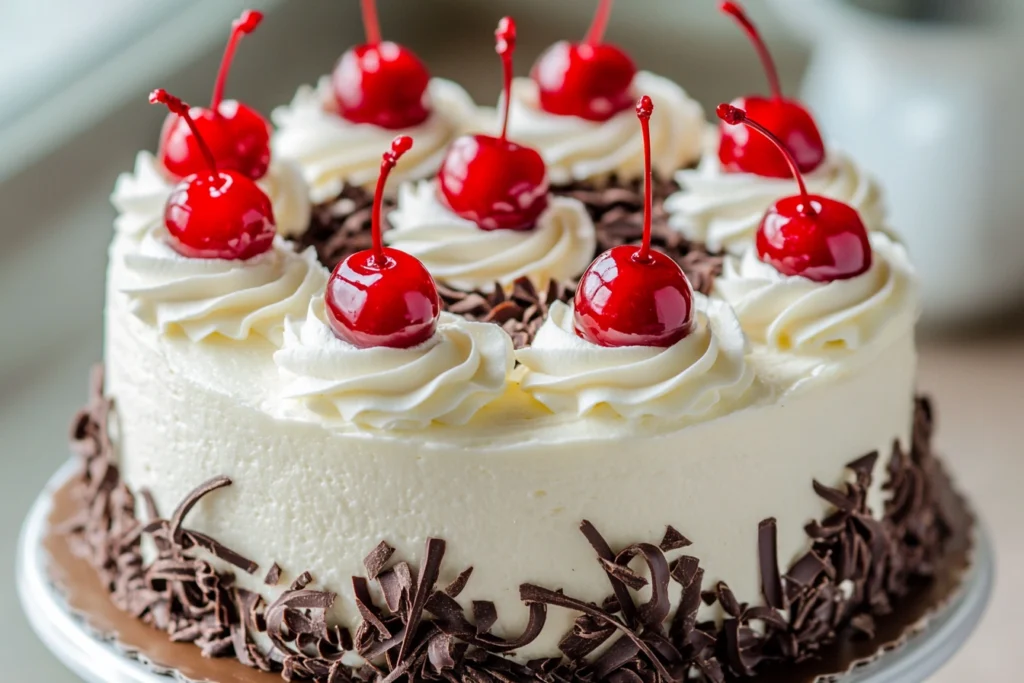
600,23
644,109
242,26
747,25
371,22
734,116
182,109
505,47
399,146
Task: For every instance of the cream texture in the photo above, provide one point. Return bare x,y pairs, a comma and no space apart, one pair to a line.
703,375
140,197
202,298
332,151
460,254
724,210
446,379
830,320
576,149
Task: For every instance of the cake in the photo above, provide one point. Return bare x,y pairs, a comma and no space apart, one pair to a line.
594,449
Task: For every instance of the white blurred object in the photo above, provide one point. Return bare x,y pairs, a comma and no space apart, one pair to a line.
932,107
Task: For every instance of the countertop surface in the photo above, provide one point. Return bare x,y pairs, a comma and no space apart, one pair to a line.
978,387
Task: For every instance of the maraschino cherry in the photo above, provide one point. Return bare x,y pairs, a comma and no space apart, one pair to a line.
383,297
214,213
741,152
381,83
238,136
491,181
635,296
815,237
592,80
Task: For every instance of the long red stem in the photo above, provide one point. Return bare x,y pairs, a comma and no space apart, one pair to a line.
242,26
747,25
644,109
176,106
371,22
399,146
600,23
734,116
506,46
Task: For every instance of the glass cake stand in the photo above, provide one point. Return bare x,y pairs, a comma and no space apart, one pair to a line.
98,661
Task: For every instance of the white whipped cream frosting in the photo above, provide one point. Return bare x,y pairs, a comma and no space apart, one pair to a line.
576,149
447,379
702,376
460,254
140,197
332,151
206,297
724,210
796,315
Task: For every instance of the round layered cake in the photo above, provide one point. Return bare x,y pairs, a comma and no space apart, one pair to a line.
528,411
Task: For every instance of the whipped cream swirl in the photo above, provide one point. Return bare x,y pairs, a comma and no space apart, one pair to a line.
332,151
794,314
460,254
206,297
724,210
140,197
577,150
447,379
700,377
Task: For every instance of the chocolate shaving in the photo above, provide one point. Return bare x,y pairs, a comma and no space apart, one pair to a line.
857,569
673,540
768,555
377,559
459,584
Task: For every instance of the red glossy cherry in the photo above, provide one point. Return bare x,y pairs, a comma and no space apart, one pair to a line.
491,181
591,80
381,83
383,297
741,152
808,235
238,136
635,296
215,214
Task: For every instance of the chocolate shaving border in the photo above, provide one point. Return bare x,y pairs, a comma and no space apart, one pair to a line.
421,633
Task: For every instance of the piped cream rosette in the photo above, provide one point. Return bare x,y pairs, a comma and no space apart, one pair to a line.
332,151
202,298
447,379
700,377
140,197
458,253
831,320
723,210
579,150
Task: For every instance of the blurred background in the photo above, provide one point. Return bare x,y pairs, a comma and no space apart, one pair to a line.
924,93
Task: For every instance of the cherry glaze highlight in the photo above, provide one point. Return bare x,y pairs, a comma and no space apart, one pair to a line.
741,152
383,296
591,80
381,83
491,181
808,235
635,296
238,136
215,214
